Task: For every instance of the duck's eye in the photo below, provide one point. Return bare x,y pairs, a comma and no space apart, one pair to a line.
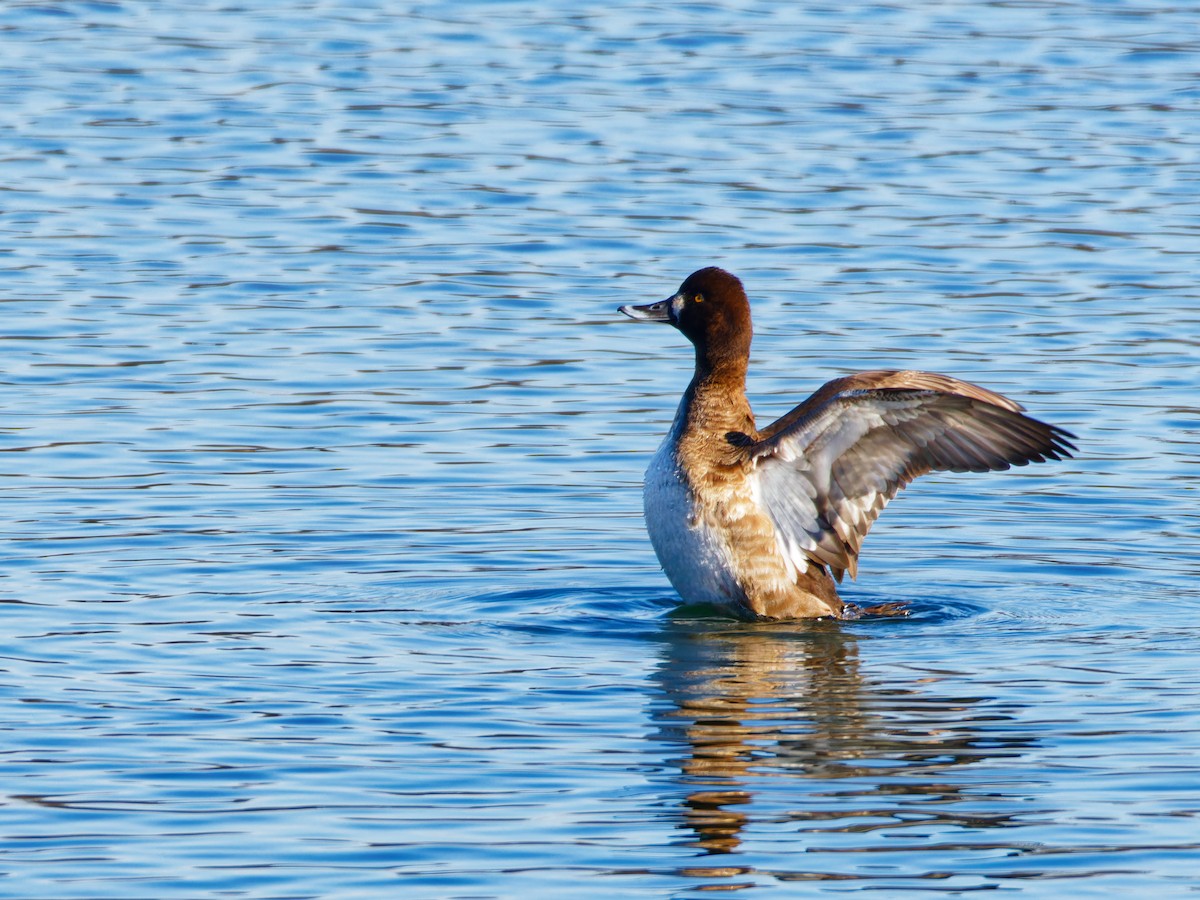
698,298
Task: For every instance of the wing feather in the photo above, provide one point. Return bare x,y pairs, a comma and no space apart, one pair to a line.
826,470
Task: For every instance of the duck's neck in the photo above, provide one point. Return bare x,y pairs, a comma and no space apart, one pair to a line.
716,398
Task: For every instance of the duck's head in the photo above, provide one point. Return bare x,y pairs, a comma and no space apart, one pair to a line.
712,310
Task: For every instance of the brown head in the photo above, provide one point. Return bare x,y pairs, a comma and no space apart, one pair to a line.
712,311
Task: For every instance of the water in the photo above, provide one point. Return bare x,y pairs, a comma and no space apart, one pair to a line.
323,569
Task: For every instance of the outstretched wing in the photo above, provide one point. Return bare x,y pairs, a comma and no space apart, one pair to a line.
827,469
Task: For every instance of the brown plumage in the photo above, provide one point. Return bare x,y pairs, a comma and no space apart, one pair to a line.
757,521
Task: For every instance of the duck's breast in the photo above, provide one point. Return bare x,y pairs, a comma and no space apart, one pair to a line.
694,555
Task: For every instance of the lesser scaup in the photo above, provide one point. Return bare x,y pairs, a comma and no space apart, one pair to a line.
761,522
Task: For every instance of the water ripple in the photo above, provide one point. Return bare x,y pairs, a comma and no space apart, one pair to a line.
321,448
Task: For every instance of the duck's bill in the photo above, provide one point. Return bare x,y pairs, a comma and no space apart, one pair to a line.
651,312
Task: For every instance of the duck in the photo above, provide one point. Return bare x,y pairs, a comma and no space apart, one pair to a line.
762,524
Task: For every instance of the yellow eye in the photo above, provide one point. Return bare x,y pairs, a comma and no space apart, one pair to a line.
699,298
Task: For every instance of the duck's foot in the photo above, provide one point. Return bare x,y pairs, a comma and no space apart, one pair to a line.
894,609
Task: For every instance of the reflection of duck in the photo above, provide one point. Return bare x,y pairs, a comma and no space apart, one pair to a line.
748,706
759,523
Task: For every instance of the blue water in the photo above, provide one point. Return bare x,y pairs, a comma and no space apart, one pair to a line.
323,571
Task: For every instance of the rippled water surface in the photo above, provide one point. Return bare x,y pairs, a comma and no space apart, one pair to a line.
323,567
